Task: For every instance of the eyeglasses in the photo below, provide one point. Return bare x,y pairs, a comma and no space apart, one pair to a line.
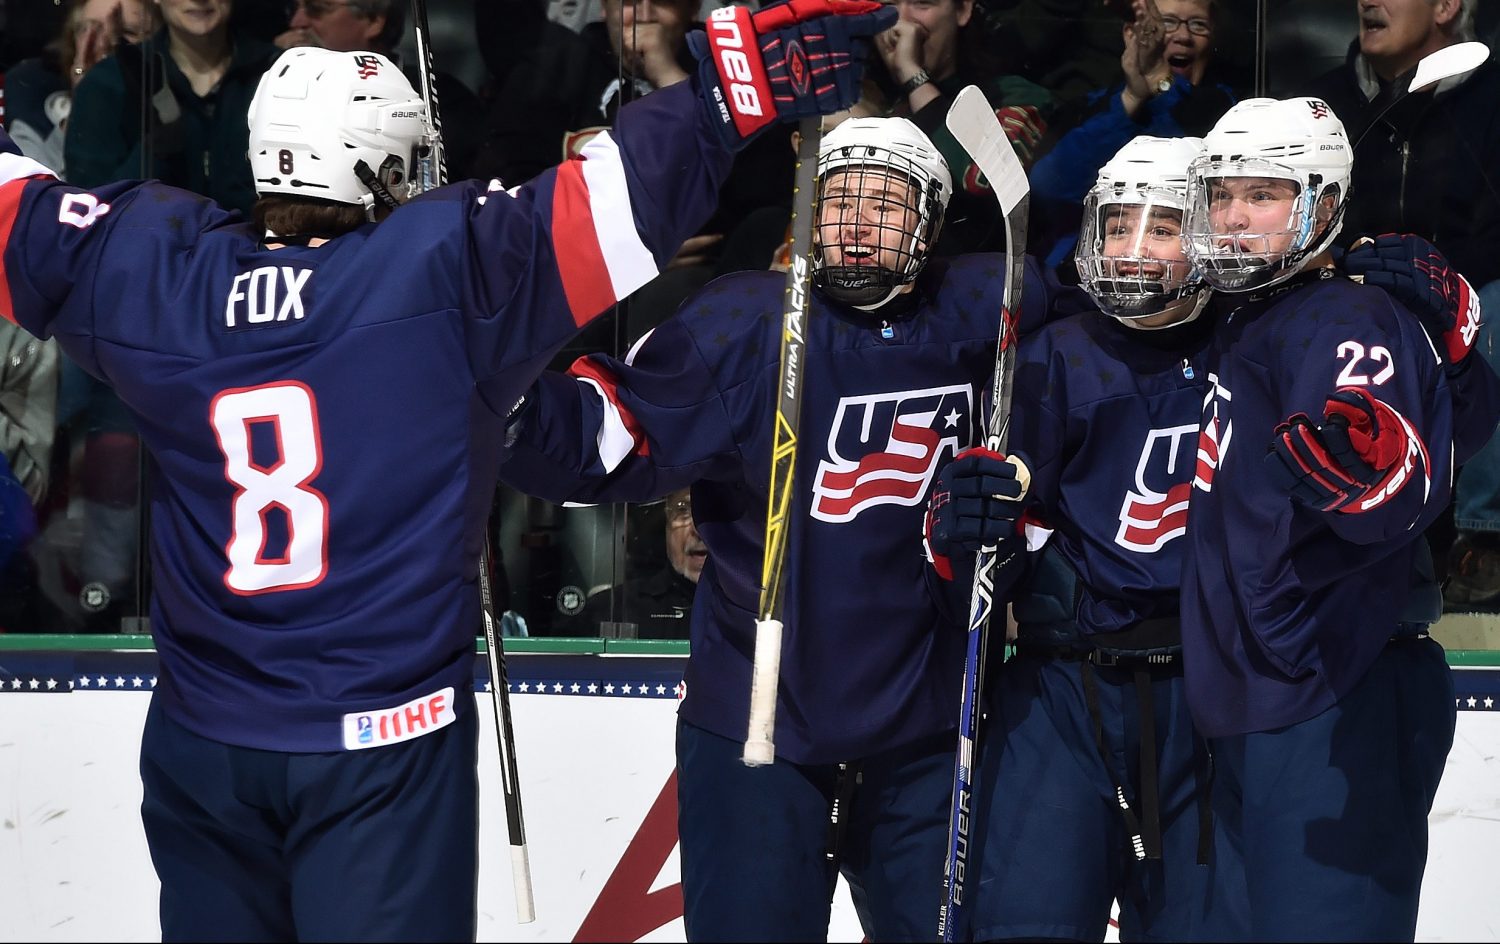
680,511
317,9
1198,26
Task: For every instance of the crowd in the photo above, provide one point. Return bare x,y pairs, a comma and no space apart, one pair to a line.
127,88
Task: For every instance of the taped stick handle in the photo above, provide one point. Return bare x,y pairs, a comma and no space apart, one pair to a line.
760,749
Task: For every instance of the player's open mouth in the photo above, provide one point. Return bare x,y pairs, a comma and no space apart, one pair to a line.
857,255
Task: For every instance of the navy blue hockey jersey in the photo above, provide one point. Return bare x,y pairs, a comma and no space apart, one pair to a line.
1284,607
321,418
1107,418
871,657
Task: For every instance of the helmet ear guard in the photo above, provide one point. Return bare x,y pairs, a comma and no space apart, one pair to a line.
868,153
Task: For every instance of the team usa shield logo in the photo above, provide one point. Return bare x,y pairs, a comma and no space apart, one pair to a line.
368,65
1155,509
884,448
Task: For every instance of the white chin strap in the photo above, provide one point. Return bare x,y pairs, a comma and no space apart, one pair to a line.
895,290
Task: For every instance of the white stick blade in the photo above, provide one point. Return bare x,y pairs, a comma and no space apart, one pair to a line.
972,122
1447,62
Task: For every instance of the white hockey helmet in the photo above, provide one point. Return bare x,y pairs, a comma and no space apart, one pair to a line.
346,127
1298,140
1132,261
887,146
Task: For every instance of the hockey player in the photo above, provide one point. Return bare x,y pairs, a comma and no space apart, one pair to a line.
1091,771
312,389
898,346
1325,449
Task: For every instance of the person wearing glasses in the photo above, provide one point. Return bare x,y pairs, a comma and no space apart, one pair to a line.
377,26
656,598
1167,88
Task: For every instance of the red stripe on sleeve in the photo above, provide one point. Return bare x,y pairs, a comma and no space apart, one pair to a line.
10,206
580,261
592,370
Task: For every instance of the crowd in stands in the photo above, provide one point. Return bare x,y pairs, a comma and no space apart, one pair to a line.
105,90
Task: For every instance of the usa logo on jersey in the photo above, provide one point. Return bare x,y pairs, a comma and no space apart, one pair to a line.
1155,510
884,448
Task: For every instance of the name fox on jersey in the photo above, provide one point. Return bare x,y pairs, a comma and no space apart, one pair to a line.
1155,509
884,448
264,295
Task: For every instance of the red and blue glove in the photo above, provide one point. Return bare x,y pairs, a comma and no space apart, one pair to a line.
1416,274
1361,455
795,59
977,501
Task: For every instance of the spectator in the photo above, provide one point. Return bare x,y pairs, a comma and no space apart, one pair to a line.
654,604
200,78
378,25
39,90
1428,166
1166,89
934,51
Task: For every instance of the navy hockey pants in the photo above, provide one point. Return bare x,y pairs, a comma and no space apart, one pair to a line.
1056,853
252,845
754,841
1330,815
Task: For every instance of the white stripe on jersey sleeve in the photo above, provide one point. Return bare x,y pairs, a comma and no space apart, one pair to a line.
17,166
613,440
630,263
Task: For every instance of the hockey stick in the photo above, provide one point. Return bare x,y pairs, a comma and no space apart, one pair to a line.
520,860
434,172
434,166
760,746
972,121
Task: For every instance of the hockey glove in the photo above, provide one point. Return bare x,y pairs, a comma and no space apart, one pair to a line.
977,502
795,59
1416,274
1359,458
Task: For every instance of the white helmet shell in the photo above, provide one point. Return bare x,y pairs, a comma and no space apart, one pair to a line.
317,114
1132,261
1299,140
897,146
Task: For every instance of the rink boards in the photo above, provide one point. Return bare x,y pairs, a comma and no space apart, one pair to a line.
594,743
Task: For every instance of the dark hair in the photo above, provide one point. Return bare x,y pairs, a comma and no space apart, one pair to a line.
300,216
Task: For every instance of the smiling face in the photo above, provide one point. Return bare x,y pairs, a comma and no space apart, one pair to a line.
1188,52
866,217
1142,249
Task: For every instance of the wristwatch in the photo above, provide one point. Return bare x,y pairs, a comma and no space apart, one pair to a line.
1164,86
918,79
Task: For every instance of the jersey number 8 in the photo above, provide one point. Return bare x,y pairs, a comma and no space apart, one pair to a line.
281,486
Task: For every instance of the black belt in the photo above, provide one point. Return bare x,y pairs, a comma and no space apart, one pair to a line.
1145,830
